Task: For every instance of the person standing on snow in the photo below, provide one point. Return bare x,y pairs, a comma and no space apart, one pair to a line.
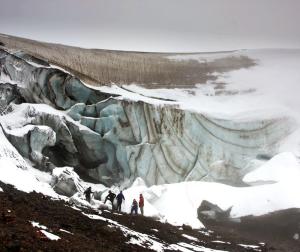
141,204
120,198
134,207
87,194
111,196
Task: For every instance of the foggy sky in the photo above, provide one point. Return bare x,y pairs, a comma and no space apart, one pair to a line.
156,25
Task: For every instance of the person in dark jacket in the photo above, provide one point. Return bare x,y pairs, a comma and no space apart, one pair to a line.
120,198
141,204
134,207
87,194
111,196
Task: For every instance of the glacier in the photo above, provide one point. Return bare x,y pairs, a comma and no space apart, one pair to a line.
165,143
115,139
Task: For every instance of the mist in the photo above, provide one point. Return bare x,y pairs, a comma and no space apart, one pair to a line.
170,25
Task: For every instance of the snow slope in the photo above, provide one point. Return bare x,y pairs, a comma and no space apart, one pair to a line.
24,180
283,167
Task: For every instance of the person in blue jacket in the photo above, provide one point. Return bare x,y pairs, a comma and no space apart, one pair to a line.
120,198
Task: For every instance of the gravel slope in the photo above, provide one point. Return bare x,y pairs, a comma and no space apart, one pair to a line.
86,234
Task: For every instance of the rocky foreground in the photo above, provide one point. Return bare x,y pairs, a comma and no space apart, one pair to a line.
79,230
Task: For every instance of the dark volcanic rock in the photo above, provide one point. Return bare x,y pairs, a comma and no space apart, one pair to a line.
85,234
280,228
209,211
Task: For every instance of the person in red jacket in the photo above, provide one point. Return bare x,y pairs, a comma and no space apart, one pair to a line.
141,204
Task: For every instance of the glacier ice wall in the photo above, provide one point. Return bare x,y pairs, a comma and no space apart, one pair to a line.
112,139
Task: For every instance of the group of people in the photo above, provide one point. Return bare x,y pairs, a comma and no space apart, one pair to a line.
120,197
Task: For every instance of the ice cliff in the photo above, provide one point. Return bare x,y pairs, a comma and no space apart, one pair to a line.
53,119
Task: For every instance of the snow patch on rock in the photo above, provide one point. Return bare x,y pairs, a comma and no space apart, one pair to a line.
65,231
43,228
248,246
38,225
185,247
190,237
50,236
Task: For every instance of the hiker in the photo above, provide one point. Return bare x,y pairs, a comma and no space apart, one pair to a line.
120,198
134,207
111,196
87,194
141,204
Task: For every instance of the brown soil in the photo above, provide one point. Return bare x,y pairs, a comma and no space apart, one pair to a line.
151,70
17,233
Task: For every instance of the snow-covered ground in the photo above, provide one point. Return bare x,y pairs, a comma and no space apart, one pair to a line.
24,180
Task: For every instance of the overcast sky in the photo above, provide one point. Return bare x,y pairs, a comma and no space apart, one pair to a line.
156,25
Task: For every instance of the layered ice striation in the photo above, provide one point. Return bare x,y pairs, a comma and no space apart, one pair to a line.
112,139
